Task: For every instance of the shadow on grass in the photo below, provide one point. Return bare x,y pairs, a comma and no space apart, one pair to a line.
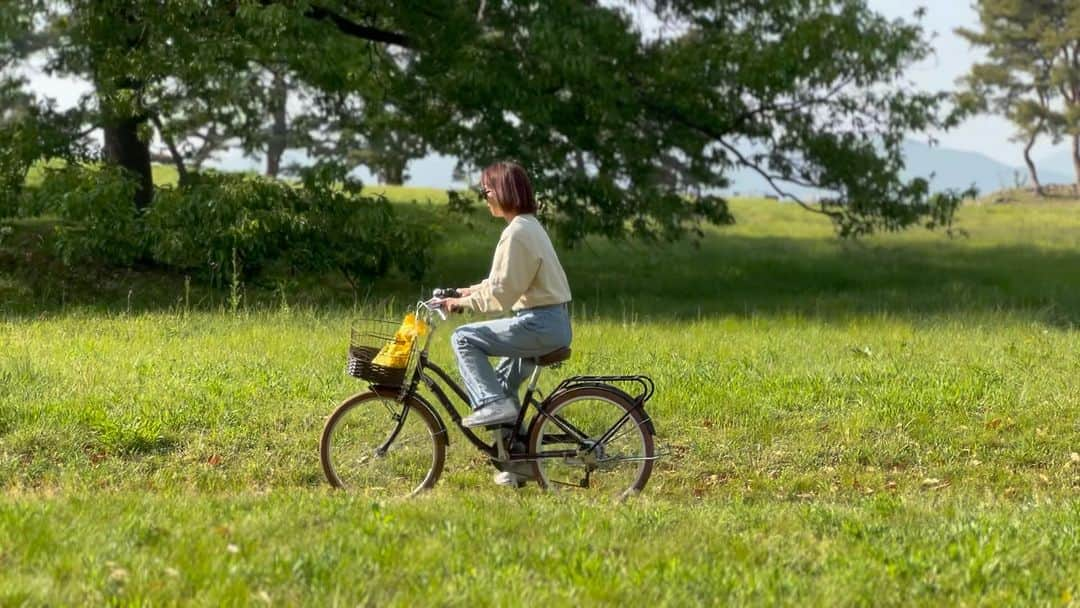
831,279
725,274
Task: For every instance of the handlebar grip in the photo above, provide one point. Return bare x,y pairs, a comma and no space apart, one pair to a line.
446,292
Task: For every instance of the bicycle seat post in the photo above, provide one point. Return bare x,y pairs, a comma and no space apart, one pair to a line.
533,379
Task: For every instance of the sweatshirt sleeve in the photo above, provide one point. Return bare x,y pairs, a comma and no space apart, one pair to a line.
512,271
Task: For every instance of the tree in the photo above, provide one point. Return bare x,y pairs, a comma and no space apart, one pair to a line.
625,133
197,120
1032,75
1016,81
353,132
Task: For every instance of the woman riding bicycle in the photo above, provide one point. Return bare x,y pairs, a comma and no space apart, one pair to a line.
527,279
588,433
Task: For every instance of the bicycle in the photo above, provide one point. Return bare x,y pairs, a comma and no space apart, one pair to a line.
587,434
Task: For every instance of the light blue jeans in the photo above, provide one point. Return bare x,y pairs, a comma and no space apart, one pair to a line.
528,334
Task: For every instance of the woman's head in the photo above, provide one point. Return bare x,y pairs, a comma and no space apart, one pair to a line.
507,189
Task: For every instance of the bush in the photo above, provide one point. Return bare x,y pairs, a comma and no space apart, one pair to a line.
98,219
220,224
28,134
198,227
322,224
359,236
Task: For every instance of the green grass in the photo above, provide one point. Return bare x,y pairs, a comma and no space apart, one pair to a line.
892,421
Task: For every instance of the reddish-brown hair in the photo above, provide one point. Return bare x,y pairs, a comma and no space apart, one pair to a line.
510,186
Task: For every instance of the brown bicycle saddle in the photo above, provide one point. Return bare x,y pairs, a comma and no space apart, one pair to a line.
555,356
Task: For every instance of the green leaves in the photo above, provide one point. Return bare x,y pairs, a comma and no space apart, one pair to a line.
624,133
99,222
30,132
616,127
273,227
1032,75
217,226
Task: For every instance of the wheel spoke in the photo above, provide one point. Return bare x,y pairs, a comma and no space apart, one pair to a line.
631,427
603,444
376,445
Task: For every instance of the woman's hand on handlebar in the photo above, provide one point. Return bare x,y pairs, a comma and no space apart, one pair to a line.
450,299
453,304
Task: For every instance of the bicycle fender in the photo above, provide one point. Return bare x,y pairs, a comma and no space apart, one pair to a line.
638,405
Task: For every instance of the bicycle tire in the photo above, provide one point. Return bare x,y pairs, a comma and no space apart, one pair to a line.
359,443
542,438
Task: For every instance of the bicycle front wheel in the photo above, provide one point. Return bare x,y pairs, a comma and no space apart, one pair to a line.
374,444
593,440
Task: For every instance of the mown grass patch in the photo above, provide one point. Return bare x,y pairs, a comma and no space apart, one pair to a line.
331,549
892,421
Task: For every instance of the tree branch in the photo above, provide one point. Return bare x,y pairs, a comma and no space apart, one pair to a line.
772,180
677,116
178,159
794,104
351,28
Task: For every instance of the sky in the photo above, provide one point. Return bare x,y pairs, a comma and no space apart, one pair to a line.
952,58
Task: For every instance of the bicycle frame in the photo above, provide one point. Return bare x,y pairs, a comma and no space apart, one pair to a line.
432,380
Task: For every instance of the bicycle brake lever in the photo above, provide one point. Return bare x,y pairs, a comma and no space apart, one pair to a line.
435,304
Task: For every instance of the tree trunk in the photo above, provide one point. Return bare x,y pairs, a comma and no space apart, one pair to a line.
393,173
177,158
1076,158
123,148
279,130
1031,164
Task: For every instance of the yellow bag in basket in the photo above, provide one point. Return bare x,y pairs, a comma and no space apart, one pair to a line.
396,353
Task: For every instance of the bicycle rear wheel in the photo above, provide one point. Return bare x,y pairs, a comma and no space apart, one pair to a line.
374,444
592,440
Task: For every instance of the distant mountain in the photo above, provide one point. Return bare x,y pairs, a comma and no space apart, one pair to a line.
945,168
1059,162
949,168
960,169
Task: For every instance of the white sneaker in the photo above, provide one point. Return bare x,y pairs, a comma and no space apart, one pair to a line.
497,412
511,480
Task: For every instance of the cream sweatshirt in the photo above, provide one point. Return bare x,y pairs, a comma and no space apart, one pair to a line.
525,272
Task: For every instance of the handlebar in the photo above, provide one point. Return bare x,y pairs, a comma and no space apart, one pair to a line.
435,304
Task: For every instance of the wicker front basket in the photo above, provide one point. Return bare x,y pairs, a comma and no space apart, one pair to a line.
360,366
369,337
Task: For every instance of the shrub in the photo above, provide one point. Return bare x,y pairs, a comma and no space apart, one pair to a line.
218,224
198,227
28,134
359,236
98,219
322,224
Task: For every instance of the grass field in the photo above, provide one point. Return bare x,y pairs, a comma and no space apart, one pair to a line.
890,421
